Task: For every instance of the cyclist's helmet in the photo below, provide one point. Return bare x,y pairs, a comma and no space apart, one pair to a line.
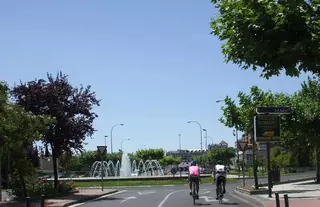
193,163
219,162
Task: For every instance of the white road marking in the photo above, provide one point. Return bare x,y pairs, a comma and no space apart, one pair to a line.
166,198
205,192
209,199
104,196
146,192
128,198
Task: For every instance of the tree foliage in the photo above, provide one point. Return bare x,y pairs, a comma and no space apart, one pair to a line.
19,129
223,154
170,160
150,154
269,35
70,106
299,131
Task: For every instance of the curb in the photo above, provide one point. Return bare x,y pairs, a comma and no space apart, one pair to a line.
249,199
89,199
289,181
136,186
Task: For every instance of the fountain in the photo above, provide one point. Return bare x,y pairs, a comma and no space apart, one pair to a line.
126,168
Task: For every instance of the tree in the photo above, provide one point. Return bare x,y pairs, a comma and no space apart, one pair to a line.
269,35
200,159
70,106
223,154
307,107
150,154
170,160
18,131
241,116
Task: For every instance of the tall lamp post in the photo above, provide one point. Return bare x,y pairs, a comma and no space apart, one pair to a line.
111,135
122,142
206,138
200,131
235,133
105,140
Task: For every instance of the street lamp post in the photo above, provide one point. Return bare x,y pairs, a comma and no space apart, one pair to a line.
105,140
111,135
211,139
122,142
180,142
200,131
235,133
206,137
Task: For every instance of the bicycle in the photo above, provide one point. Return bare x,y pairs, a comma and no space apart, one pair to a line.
194,192
220,194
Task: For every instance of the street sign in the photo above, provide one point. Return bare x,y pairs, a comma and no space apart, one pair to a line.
262,147
242,145
274,110
267,128
102,149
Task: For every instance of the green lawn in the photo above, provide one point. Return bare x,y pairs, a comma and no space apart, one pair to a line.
246,173
109,183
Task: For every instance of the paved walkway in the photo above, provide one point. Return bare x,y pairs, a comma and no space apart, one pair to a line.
300,194
82,195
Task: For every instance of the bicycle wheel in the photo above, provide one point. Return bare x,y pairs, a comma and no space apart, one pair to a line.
194,194
220,195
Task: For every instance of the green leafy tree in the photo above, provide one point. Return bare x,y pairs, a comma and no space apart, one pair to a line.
150,154
200,159
170,160
19,129
70,106
223,154
307,107
269,35
241,116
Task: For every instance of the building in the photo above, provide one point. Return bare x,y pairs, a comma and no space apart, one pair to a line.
222,144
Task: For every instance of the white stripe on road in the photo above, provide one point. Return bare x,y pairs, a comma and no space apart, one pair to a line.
166,198
104,196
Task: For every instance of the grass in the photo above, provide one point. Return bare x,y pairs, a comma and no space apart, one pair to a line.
246,173
115,183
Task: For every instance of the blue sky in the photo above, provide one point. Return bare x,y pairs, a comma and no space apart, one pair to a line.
153,64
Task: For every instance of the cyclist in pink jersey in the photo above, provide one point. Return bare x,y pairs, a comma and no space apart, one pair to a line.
194,175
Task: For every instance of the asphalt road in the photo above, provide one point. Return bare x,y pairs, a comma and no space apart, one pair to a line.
166,196
177,196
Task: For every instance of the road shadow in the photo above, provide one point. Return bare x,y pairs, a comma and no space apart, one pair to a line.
203,204
107,199
230,204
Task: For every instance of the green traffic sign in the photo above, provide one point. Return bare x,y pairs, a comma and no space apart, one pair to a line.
267,128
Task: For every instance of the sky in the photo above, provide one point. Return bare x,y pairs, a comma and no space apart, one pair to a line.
153,64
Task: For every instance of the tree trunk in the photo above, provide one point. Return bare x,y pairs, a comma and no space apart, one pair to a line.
317,163
55,167
23,183
255,166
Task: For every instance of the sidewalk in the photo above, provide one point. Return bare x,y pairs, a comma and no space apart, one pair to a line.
300,194
82,196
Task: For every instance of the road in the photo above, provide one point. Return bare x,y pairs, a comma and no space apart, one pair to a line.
177,196
165,196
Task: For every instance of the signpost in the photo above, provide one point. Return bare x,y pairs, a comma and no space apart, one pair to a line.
243,145
102,150
267,130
